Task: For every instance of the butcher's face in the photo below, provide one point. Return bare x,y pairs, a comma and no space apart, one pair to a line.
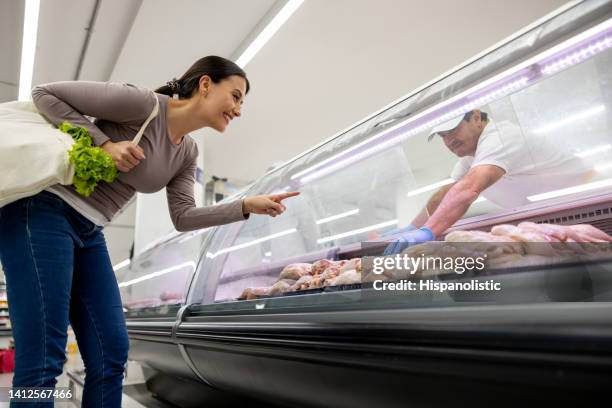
463,139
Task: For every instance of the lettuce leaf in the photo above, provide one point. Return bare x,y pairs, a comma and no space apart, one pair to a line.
91,164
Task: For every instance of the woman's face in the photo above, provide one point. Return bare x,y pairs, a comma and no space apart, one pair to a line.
223,100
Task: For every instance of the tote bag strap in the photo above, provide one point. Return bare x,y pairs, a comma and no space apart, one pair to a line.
153,114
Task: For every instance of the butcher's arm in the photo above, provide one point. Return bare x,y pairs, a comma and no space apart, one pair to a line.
431,206
461,195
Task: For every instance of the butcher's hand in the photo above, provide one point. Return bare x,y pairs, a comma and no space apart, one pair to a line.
126,155
413,237
271,205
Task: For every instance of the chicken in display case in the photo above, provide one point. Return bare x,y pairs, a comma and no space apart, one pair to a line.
291,309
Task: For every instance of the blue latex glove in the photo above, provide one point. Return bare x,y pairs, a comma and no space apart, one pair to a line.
410,238
398,231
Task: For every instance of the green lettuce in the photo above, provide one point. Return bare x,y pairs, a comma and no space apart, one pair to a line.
91,164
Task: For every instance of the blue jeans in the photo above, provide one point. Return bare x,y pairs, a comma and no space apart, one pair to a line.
58,271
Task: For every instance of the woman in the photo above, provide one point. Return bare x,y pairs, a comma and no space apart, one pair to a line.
51,245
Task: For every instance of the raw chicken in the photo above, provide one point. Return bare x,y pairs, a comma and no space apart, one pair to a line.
295,271
341,263
282,286
321,265
551,232
302,283
484,242
586,233
330,273
354,263
315,283
253,293
347,278
537,240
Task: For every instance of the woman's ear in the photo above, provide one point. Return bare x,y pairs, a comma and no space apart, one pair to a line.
205,83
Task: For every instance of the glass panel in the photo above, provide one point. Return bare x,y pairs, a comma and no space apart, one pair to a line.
549,131
161,275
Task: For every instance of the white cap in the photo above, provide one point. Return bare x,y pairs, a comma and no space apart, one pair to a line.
445,127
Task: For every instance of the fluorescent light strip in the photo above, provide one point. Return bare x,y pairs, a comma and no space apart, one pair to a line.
570,119
487,98
515,85
571,190
192,234
578,56
251,243
357,231
28,48
338,216
603,167
121,264
440,119
268,254
593,151
350,149
156,274
430,187
264,36
495,94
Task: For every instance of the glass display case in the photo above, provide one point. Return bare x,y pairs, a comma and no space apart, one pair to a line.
547,95
549,109
161,274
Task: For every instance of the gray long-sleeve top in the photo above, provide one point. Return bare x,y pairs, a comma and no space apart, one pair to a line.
120,110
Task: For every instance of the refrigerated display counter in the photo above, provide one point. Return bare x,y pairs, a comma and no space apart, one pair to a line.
546,338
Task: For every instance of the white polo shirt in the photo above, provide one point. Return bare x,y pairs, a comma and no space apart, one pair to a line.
531,168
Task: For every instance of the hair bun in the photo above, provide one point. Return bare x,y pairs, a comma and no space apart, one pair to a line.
174,86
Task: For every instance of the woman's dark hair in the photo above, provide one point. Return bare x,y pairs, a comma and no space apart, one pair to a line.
217,68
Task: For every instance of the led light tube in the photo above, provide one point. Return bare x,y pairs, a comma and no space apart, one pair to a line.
264,36
338,216
121,264
593,151
357,231
158,273
430,187
28,48
571,190
251,243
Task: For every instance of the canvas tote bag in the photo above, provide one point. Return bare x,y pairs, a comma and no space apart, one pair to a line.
34,153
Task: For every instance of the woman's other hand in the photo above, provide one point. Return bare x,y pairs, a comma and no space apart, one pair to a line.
266,204
126,155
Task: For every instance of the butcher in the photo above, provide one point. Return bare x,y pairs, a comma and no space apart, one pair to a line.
495,161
